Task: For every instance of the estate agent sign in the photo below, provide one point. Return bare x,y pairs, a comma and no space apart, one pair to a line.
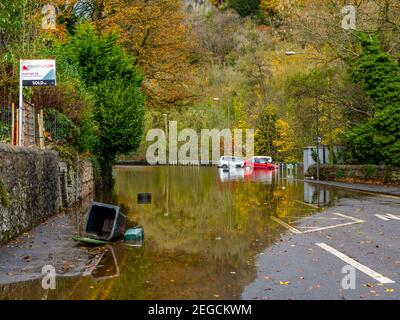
38,73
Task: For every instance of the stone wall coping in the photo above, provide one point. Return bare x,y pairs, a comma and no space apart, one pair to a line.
30,150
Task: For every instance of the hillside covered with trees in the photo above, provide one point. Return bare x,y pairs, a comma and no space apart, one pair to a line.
286,68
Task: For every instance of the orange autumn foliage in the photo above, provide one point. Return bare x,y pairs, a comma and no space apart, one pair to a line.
155,32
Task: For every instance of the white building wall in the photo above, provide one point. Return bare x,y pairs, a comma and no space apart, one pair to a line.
308,159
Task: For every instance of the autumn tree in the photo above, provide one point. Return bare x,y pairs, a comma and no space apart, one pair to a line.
266,134
156,34
215,35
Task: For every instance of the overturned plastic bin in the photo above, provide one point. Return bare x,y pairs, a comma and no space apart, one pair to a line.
105,222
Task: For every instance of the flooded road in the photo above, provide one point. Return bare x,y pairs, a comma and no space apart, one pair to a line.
205,230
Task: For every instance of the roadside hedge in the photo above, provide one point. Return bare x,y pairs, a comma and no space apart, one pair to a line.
367,173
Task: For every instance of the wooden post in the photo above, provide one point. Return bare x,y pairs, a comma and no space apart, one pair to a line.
40,128
12,124
17,129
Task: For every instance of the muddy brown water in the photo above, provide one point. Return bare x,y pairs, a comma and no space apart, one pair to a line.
203,231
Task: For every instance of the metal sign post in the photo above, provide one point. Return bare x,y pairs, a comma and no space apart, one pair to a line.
21,105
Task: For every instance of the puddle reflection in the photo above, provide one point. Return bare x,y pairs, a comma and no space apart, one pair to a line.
315,194
204,229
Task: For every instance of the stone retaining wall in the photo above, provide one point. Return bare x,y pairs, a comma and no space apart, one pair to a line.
359,173
35,185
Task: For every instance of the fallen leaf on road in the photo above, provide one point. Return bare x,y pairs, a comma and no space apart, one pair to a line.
368,285
390,290
284,283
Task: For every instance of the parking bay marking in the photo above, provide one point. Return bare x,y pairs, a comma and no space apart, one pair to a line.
297,231
377,276
387,217
307,204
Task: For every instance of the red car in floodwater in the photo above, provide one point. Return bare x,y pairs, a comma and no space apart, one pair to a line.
260,163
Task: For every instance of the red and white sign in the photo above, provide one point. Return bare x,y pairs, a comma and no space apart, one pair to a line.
38,73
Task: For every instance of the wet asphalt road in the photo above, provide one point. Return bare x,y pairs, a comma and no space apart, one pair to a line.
48,244
297,268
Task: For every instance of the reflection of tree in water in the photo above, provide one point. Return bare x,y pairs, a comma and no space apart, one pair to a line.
132,282
202,237
198,231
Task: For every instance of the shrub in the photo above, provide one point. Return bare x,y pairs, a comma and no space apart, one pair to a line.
368,171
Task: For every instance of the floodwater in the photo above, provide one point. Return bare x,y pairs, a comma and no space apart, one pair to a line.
203,231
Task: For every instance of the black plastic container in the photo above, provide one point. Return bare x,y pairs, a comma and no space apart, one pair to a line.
144,198
105,222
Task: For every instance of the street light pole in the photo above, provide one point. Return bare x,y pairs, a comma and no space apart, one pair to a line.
229,127
318,137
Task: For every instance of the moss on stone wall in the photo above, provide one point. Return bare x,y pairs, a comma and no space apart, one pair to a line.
3,195
68,154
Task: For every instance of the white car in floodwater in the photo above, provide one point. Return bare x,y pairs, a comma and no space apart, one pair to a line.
228,161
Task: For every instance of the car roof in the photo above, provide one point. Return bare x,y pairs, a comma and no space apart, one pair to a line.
231,157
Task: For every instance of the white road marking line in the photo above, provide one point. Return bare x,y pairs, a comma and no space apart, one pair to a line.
316,229
287,226
382,217
348,217
308,227
307,204
387,217
332,227
314,218
377,276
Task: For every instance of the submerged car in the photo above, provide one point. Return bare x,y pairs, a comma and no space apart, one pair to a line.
227,161
260,163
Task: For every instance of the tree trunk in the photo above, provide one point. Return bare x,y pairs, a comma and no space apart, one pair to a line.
107,177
